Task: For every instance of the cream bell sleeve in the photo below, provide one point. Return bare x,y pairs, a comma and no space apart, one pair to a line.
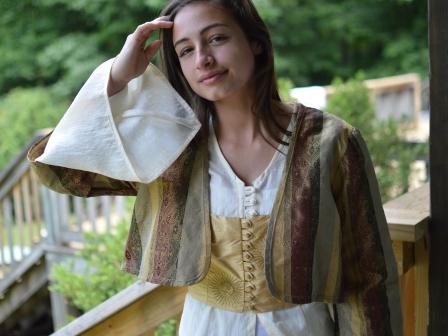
104,145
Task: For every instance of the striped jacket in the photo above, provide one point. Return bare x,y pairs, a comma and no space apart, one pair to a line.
327,238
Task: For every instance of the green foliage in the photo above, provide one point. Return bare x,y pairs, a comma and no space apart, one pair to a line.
57,43
391,155
72,65
22,112
167,328
317,40
314,40
284,88
100,278
68,38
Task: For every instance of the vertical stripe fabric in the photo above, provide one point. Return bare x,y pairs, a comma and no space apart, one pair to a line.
327,238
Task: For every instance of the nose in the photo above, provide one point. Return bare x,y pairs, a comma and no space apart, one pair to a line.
204,58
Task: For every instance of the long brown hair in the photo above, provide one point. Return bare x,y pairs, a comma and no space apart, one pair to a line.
267,106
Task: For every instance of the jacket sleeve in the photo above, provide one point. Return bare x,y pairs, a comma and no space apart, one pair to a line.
134,135
369,284
73,181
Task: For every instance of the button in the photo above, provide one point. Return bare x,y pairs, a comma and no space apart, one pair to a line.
250,201
251,213
247,245
250,306
248,256
249,190
248,267
247,224
250,276
247,235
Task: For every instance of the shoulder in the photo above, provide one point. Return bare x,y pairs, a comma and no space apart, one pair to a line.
327,126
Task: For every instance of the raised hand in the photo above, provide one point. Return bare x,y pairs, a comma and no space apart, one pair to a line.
135,55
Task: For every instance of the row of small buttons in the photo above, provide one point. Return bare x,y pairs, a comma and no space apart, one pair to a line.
248,265
250,202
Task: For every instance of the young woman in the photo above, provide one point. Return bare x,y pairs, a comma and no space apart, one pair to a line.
270,213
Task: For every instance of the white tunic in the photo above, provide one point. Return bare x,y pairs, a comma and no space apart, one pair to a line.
230,197
146,111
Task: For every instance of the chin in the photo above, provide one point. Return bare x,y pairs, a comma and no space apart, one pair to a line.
215,96
211,97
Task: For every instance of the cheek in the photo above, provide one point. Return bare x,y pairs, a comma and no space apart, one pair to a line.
242,59
187,72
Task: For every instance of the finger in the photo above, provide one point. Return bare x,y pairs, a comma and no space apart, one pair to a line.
163,18
143,31
153,25
151,49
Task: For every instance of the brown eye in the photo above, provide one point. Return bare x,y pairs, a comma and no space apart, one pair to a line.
216,39
185,51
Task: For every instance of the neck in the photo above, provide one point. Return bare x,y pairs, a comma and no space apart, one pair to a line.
235,121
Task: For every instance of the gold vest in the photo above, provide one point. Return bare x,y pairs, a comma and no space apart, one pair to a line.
236,280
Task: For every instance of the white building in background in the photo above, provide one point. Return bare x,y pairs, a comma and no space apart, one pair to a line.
311,96
396,96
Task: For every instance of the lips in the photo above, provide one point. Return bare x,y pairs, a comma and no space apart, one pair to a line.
212,77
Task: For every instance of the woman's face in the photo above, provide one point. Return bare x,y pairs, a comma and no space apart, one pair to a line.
215,56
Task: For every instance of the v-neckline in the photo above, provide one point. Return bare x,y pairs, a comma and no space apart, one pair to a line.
261,177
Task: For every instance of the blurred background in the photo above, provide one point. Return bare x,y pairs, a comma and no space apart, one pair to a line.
364,60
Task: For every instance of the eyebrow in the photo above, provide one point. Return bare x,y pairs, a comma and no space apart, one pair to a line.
203,30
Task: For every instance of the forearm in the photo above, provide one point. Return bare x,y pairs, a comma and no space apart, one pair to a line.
370,280
114,86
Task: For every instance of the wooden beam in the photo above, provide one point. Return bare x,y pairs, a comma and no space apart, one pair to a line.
438,229
407,216
144,315
135,310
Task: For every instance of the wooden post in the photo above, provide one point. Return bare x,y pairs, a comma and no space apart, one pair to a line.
2,251
36,205
92,213
438,229
17,199
25,185
79,212
7,215
51,207
105,208
59,309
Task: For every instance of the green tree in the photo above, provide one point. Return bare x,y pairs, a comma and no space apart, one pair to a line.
317,40
57,43
391,155
60,41
22,112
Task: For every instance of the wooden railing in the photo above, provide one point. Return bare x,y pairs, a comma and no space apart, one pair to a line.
408,219
37,223
138,309
31,214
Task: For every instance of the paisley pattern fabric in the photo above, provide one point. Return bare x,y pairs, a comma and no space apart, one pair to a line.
76,182
327,238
